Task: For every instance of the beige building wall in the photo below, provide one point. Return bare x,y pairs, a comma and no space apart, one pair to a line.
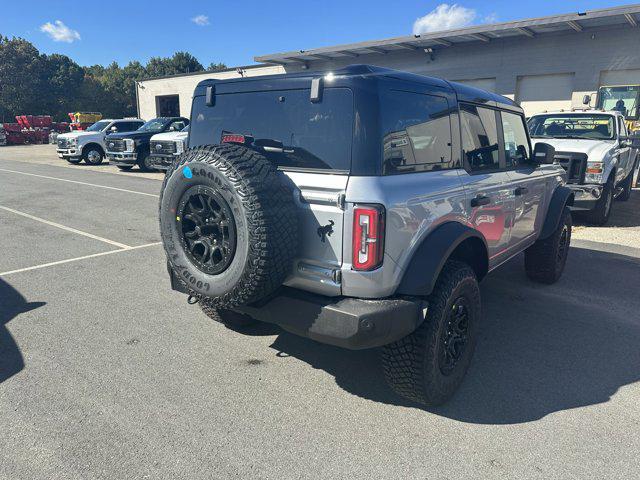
183,85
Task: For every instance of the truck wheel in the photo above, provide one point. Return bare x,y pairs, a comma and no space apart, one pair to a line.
626,187
74,160
143,162
228,223
231,319
92,156
544,261
600,214
428,365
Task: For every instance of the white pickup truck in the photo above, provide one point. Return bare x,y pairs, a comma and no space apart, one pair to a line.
89,144
595,149
165,147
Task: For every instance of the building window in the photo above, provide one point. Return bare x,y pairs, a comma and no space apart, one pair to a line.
168,106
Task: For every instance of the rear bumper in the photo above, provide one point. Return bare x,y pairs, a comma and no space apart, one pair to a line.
351,323
122,158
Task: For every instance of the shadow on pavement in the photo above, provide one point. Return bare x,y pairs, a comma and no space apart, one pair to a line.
542,349
12,304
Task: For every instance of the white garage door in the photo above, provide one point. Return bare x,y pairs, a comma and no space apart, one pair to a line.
488,84
620,77
536,93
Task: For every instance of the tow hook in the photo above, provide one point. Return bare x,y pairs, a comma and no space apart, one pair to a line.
192,299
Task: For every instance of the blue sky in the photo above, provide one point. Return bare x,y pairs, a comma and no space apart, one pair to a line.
234,32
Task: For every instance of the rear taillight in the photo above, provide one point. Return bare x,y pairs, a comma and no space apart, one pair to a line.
368,237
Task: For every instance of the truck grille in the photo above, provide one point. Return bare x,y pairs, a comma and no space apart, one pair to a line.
115,145
163,147
575,164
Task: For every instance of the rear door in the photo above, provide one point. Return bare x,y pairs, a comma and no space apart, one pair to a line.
310,143
489,197
528,183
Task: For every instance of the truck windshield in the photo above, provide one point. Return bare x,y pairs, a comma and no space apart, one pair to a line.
155,125
98,126
290,130
594,127
623,99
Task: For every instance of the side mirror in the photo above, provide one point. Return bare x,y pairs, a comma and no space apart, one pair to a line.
625,142
544,154
586,99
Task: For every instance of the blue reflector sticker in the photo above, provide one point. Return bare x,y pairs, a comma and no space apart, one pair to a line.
186,171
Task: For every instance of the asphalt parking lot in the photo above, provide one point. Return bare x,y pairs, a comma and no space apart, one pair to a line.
107,373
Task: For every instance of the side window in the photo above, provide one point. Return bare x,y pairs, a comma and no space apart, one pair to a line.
516,143
416,132
479,138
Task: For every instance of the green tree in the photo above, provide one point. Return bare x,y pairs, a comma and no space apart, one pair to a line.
216,67
22,83
32,83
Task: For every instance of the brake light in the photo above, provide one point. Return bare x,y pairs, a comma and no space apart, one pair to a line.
368,237
233,138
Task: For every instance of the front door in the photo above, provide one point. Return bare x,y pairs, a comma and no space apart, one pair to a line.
526,180
489,196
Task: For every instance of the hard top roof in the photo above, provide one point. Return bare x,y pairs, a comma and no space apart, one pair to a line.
464,92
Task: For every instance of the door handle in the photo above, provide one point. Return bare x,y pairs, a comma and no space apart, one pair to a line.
521,191
480,200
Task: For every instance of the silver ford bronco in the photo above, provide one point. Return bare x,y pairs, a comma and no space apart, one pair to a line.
360,208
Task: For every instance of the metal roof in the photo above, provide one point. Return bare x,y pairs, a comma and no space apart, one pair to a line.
628,15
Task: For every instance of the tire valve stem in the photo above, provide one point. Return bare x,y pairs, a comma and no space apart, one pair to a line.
192,299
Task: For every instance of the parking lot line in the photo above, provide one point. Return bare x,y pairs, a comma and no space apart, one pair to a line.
69,260
68,229
80,183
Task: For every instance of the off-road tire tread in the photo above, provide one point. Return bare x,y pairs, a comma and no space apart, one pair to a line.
540,259
404,361
272,218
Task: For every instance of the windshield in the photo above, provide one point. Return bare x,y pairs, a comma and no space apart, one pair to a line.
593,127
623,99
155,125
98,126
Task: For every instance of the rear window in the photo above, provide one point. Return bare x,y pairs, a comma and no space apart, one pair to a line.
311,135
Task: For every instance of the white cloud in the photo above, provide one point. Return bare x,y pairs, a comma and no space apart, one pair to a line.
59,32
201,20
445,17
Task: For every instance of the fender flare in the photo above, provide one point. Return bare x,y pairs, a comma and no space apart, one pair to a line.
562,197
429,258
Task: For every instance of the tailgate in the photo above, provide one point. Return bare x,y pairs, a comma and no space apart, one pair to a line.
320,220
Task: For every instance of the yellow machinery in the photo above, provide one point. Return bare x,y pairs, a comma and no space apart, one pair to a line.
625,99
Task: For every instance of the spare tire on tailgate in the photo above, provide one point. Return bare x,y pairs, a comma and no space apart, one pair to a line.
228,224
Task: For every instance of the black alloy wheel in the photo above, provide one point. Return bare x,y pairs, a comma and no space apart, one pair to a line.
207,229
455,336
